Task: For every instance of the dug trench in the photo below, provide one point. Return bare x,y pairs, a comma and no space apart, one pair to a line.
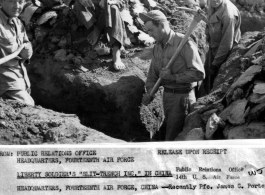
104,99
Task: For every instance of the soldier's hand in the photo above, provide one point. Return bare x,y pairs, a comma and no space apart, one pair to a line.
87,3
20,48
147,99
166,74
26,52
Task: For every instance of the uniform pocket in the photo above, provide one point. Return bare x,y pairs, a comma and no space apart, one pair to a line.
9,40
9,44
216,33
158,63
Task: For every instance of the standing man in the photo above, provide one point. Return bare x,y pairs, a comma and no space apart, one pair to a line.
178,81
225,32
14,81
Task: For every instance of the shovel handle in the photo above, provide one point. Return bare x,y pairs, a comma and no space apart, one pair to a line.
192,26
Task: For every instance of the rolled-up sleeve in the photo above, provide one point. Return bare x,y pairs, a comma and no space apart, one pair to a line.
226,43
195,70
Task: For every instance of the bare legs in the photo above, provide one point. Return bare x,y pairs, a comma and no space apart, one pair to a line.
116,52
116,57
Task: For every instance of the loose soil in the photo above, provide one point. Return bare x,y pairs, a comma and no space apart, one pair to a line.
22,124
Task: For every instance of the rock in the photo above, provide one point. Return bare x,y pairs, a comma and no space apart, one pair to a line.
206,115
246,77
226,130
236,112
27,13
126,16
216,105
192,121
70,57
255,112
40,33
238,93
137,7
63,42
248,90
78,60
51,136
195,134
254,97
46,16
91,55
55,39
102,50
259,88
60,55
260,100
254,130
82,68
32,128
149,3
258,60
212,125
191,3
3,124
2,114
133,29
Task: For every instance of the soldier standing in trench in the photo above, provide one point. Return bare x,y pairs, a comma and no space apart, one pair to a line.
103,15
14,81
178,81
225,32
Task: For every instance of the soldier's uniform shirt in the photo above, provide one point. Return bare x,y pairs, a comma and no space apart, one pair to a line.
225,30
13,74
188,70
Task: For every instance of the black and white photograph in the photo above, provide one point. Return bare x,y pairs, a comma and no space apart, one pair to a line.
132,96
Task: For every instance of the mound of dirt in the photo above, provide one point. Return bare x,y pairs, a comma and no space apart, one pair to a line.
253,14
22,124
252,22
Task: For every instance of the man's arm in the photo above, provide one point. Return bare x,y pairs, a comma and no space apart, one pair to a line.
11,56
27,51
227,41
195,70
